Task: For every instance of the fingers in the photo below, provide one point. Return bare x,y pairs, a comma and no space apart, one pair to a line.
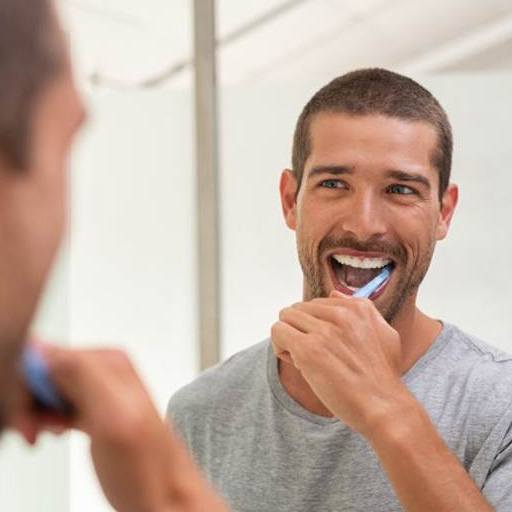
299,319
284,340
340,299
350,306
73,369
139,462
290,336
104,389
327,312
29,422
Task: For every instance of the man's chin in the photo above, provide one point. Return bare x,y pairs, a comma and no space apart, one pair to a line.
3,422
6,407
11,388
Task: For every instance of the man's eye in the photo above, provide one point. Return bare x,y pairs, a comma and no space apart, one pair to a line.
401,189
332,184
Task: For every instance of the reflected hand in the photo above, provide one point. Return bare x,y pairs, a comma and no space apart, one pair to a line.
140,463
348,354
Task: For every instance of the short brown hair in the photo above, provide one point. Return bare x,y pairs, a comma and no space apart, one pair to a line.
376,91
31,54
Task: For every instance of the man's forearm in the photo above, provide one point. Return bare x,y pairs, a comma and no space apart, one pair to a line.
425,474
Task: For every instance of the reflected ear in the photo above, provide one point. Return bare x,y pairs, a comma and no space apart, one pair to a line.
288,192
448,205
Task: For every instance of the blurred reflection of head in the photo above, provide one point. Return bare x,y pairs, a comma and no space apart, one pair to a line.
40,112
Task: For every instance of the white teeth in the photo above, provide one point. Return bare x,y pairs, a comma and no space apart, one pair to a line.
355,262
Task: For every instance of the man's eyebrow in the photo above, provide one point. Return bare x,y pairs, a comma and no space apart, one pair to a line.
330,169
409,176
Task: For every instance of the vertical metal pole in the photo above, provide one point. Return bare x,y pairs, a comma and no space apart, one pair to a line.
207,181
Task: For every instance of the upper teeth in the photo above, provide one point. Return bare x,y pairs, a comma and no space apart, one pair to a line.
355,262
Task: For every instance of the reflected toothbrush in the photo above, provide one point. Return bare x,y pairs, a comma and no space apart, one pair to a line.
39,382
368,289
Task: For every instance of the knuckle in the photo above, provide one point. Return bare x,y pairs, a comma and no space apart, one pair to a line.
118,359
329,332
361,304
283,314
275,327
316,352
339,316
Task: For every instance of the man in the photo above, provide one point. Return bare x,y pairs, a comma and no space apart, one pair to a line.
360,404
140,464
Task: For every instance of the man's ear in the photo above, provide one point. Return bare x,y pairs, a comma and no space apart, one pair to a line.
288,192
448,205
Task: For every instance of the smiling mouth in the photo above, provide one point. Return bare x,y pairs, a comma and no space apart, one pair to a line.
350,273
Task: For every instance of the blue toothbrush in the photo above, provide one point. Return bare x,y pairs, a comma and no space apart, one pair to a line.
39,383
374,284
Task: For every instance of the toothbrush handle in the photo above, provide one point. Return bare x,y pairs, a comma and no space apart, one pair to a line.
374,284
40,385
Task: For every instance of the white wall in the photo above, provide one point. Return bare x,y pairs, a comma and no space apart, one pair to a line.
132,247
470,282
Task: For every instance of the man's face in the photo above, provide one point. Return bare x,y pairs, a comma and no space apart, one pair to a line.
368,198
33,213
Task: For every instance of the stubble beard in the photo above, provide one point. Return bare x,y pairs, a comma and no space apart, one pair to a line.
407,285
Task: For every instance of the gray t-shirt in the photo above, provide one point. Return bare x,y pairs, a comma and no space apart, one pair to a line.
264,452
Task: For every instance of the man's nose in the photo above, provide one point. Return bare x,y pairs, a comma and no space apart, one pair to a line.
364,217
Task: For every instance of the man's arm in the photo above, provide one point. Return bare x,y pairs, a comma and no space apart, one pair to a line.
141,464
350,357
425,474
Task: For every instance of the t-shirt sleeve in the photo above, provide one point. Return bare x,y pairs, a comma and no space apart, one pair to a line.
176,414
497,487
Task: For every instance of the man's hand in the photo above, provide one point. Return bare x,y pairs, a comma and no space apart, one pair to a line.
140,463
348,354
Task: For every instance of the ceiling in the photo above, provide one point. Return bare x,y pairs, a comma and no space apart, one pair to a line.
125,43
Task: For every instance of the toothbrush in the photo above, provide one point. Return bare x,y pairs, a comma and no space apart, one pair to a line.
39,383
374,284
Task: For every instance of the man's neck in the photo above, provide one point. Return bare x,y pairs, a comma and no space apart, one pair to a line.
417,333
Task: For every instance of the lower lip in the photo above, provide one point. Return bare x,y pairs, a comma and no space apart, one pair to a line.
347,291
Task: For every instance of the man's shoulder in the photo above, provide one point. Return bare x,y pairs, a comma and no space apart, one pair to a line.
485,355
483,350
485,368
228,381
